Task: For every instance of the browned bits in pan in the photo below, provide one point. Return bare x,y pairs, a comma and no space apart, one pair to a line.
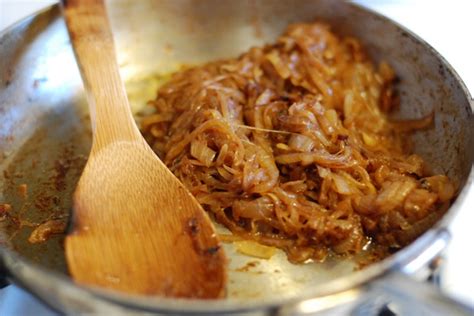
22,190
4,210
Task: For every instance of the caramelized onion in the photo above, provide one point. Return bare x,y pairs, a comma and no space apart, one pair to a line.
290,145
46,229
301,143
202,153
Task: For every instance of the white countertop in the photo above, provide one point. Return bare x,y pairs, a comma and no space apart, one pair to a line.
448,28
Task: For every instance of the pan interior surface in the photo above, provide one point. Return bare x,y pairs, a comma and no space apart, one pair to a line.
45,132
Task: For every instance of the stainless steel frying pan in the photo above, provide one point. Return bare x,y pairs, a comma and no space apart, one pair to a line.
45,138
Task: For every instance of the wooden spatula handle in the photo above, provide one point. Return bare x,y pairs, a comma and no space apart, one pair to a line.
87,25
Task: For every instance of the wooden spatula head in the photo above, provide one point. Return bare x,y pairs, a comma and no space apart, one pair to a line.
138,230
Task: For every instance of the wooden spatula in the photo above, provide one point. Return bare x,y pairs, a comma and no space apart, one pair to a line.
135,227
